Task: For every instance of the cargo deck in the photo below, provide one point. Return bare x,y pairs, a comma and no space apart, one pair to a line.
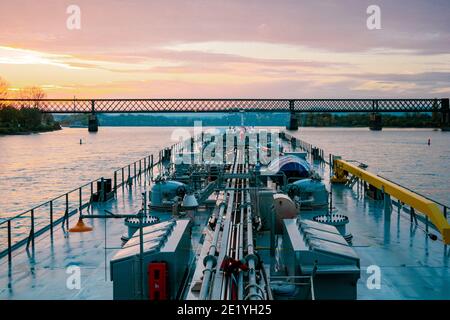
412,265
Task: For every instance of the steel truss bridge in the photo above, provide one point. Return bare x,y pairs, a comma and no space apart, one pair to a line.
230,105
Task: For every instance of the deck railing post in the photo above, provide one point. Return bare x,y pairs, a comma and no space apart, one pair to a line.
92,194
134,165
9,242
67,211
80,194
123,177
413,215
115,181
151,170
129,172
32,228
51,218
330,163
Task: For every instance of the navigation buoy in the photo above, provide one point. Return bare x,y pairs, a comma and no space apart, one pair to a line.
80,227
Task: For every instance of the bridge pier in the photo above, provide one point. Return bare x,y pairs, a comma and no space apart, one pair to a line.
375,121
293,118
93,123
93,120
445,120
293,122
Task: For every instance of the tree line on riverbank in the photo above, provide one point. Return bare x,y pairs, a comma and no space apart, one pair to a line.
403,120
26,118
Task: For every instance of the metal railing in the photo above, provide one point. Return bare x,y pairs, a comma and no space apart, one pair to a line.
314,152
23,228
424,219
415,216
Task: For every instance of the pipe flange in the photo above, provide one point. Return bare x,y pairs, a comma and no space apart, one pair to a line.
247,297
208,269
208,258
252,256
251,295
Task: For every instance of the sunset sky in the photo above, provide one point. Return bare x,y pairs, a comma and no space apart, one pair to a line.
229,48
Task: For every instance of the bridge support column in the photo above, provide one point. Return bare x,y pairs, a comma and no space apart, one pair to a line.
293,119
93,123
375,121
445,120
293,122
93,120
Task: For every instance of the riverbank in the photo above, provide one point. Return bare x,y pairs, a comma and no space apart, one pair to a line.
26,120
24,131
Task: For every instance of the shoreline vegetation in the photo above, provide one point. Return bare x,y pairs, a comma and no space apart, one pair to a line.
25,118
25,121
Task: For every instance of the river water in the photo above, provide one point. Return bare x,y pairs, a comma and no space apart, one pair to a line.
36,168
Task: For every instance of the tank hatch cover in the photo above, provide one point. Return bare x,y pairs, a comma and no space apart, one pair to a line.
333,249
312,233
317,225
155,227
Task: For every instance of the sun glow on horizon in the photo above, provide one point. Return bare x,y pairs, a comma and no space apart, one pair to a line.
162,49
12,55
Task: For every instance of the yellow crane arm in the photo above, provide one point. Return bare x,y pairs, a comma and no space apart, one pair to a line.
424,205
